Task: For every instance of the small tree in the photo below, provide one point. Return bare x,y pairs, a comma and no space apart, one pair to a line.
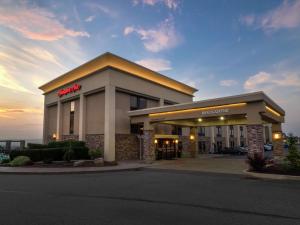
293,157
69,153
257,162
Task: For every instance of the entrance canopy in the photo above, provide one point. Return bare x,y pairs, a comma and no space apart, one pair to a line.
247,109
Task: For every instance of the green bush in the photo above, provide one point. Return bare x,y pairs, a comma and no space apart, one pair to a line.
95,153
52,154
66,144
20,161
293,158
36,146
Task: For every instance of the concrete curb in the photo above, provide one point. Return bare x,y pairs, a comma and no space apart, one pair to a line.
64,172
271,176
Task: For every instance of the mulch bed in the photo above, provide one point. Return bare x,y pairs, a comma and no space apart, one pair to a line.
277,169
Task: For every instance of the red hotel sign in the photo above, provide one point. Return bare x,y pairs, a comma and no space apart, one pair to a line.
74,88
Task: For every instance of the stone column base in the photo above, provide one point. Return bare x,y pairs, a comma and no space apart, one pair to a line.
149,146
255,139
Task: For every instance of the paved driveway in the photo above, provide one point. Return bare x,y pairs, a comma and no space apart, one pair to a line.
147,197
206,163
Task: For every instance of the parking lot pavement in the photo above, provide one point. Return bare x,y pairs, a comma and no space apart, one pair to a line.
206,163
147,197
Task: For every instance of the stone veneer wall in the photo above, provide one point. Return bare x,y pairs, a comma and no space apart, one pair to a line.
70,137
149,146
127,147
278,150
94,141
255,139
185,140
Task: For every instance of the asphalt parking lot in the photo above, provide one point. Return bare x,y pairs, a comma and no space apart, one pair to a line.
147,197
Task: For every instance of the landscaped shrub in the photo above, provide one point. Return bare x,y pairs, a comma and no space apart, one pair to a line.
293,158
66,144
256,162
36,146
40,154
95,153
80,153
20,161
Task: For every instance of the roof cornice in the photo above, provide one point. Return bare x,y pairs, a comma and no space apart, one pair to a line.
110,60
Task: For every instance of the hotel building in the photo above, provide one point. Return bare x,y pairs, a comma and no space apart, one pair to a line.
130,112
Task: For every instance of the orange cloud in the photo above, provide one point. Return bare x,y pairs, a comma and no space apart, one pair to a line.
36,23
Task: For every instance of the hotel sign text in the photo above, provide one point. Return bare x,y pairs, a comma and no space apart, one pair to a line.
74,88
215,111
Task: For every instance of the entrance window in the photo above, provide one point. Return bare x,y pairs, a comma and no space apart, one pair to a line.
201,146
137,102
219,145
219,131
242,143
177,130
201,131
231,131
242,131
231,144
72,115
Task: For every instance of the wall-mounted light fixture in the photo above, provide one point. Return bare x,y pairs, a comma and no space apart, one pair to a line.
200,119
222,118
155,141
277,136
167,142
192,137
176,141
54,136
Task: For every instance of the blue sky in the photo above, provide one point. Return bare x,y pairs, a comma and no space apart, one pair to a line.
220,47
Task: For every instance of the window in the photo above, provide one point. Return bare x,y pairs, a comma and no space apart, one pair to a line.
72,115
219,131
137,102
242,131
177,130
231,131
201,131
231,144
136,128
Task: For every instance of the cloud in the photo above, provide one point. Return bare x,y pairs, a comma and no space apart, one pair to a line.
286,15
90,19
228,83
155,64
36,23
97,7
264,80
162,37
8,81
171,4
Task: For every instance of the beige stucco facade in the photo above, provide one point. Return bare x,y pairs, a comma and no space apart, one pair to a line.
103,91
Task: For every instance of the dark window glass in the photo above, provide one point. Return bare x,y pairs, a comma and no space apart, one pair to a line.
137,102
202,131
231,131
142,103
136,128
72,122
231,144
177,130
219,131
242,131
133,102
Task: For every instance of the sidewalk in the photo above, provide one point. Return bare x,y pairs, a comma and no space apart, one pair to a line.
122,166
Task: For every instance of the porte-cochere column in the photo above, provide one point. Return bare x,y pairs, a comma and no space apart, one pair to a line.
255,139
149,146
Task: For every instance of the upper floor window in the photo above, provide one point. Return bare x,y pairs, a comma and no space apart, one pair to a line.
72,115
137,102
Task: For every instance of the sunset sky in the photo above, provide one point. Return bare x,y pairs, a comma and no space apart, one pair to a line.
220,47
